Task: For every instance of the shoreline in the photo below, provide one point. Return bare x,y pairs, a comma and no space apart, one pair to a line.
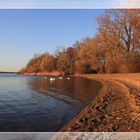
115,109
54,73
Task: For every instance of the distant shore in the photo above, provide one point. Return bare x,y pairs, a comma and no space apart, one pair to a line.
116,108
7,72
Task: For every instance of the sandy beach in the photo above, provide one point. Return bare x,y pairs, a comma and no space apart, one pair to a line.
116,108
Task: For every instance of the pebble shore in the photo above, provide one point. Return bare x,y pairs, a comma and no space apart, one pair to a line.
115,109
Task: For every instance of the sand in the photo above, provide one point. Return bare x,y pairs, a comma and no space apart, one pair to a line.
115,109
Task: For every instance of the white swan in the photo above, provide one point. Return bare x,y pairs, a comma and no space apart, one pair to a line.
60,77
68,78
52,79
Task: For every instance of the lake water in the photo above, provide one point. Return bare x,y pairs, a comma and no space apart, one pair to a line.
36,104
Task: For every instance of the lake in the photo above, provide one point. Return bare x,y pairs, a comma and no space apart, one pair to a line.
37,104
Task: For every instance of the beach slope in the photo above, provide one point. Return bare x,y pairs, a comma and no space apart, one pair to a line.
116,108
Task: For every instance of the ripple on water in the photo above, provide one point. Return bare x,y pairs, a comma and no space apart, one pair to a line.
32,103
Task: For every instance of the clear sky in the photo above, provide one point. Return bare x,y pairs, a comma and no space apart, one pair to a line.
70,3
55,3
26,32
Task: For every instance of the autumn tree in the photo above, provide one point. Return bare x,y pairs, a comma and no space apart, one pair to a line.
65,62
48,63
34,64
88,58
119,33
114,49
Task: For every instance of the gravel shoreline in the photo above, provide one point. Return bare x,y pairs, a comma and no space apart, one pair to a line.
115,109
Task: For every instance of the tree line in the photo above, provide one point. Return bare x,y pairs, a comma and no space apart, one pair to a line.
114,49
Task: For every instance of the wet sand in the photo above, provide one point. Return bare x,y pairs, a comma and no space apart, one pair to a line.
116,108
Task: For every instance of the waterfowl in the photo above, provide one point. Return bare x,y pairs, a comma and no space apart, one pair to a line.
60,77
68,78
52,79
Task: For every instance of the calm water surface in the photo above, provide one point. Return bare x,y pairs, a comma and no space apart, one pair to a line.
36,104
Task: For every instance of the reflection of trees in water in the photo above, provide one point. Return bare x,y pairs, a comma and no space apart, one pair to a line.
80,89
37,83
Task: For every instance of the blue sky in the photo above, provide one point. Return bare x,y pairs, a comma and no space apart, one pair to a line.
69,3
26,32
55,3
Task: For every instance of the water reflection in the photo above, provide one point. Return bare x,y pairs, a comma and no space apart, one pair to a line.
36,104
80,89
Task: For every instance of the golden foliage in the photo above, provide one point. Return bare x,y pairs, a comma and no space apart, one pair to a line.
114,49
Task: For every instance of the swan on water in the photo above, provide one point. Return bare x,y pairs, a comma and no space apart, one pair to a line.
52,79
68,78
60,77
